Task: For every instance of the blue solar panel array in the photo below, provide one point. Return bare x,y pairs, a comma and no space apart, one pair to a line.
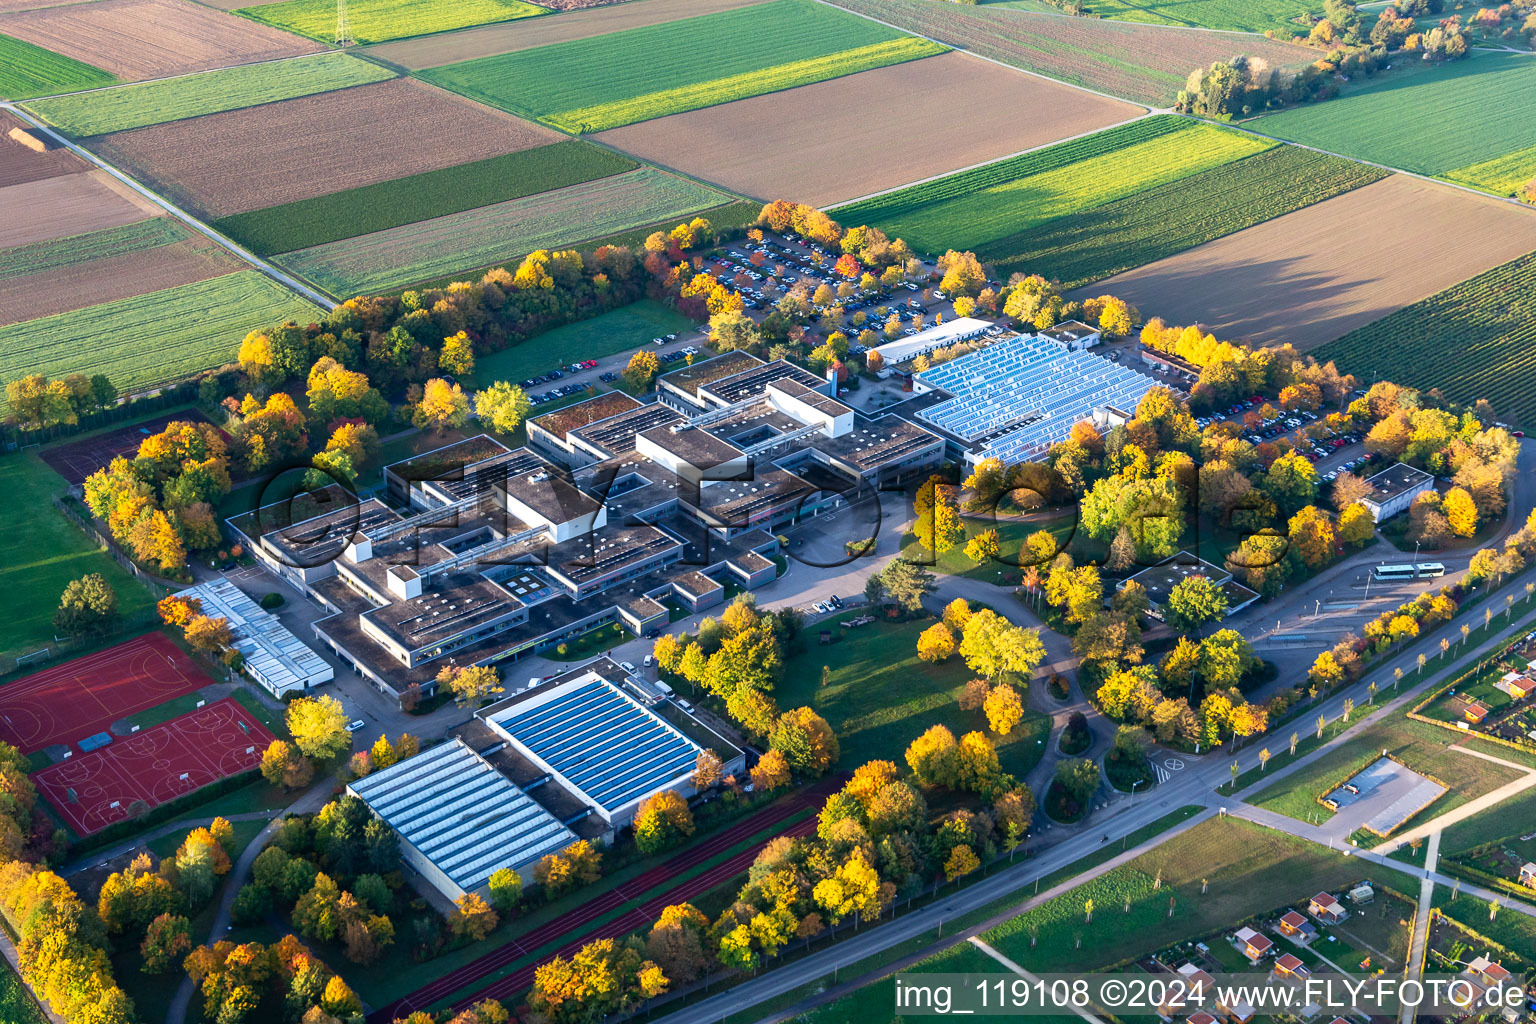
1032,385
602,743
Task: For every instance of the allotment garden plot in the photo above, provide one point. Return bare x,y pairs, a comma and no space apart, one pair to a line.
1468,121
1145,63
135,39
745,145
1311,276
985,205
314,145
1476,339
506,37
481,237
373,21
606,81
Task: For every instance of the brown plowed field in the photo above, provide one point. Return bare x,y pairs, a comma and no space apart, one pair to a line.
69,204
839,140
264,156
19,164
116,277
1313,275
485,40
27,5
136,39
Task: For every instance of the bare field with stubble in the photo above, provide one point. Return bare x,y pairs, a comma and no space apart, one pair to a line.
762,147
69,204
63,289
242,160
1311,276
511,36
137,39
19,164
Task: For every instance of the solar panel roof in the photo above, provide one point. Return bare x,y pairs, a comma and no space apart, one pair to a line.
600,741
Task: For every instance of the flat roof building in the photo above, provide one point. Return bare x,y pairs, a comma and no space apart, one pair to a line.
459,819
273,656
1395,488
951,332
1159,581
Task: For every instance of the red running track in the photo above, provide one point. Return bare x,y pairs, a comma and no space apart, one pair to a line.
573,922
154,766
82,697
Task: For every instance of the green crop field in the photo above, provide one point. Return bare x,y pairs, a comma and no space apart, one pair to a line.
1479,109
93,245
614,79
135,106
375,21
27,70
881,697
40,552
974,208
151,338
1236,15
389,204
1503,175
1474,340
1134,231
492,234
614,331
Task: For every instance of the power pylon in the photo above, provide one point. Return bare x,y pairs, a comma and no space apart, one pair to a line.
343,30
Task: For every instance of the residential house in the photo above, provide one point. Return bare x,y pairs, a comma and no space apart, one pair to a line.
1528,873
1290,966
1253,945
1294,925
1476,711
1198,982
1327,908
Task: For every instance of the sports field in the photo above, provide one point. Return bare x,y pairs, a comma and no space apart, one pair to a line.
1093,244
154,337
1476,339
135,106
606,81
614,331
1316,274
155,766
67,703
740,144
40,552
374,21
77,459
27,70
1479,108
975,208
492,234
1145,63
389,204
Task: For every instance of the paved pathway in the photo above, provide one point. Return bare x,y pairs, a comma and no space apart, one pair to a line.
1420,940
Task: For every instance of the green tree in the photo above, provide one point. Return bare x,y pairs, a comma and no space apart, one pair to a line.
1193,602
87,607
906,583
503,406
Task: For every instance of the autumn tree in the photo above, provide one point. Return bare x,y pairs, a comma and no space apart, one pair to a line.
470,684
662,821
993,647
807,742
318,726
1004,709
771,772
283,765
642,369
442,405
937,524
936,643
503,406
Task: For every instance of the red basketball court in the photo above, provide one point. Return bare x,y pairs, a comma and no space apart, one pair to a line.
92,791
79,698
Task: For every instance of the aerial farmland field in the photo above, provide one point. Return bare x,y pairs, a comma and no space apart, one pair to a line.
736,144
1476,339
616,79
388,204
1094,244
20,164
154,337
357,136
64,205
975,208
136,39
374,21
509,36
1479,108
1145,63
371,264
28,70
1319,273
137,106
1237,15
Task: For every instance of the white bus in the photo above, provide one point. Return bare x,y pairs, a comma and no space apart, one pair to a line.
1420,570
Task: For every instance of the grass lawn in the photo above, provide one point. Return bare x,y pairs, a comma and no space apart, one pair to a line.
1420,746
1475,103
615,331
1508,821
590,644
1249,869
16,1003
614,79
374,21
1377,931
245,831
1005,569
1509,928
881,697
40,552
